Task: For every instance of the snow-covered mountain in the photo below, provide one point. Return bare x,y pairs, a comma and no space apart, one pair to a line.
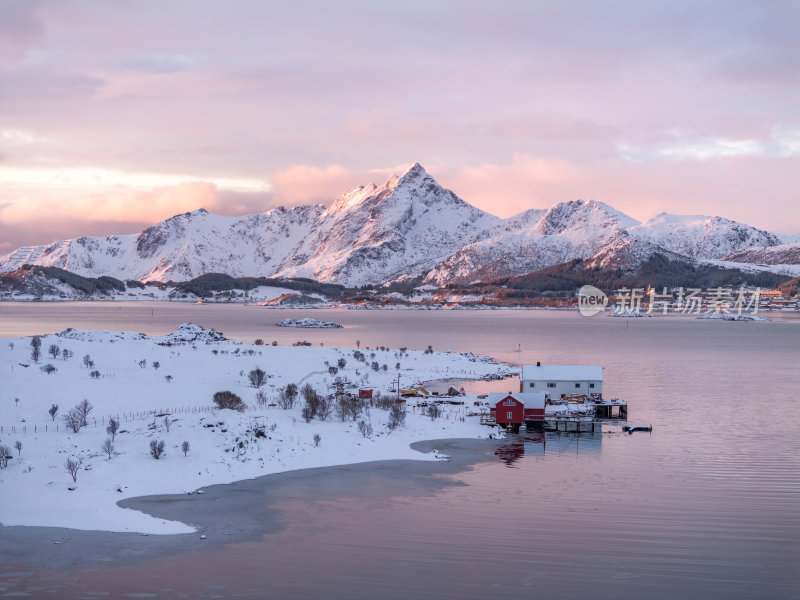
408,227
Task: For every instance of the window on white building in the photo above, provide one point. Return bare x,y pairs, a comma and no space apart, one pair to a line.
532,384
591,386
551,385
577,386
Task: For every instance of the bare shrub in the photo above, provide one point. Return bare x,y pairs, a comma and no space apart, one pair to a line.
54,350
36,348
48,368
5,454
228,400
87,361
72,465
108,447
433,411
112,428
259,342
341,363
257,378
317,439
185,448
156,365
53,411
287,396
156,448
95,374
261,397
142,363
166,424
384,402
73,420
168,378
307,413
397,416
365,428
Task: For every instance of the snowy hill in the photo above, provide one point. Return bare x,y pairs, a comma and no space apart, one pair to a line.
699,236
408,227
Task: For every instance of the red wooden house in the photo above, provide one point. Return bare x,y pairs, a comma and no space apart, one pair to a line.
513,409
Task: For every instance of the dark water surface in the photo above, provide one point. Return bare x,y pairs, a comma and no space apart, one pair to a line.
707,506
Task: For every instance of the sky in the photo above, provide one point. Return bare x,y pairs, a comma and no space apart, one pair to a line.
116,115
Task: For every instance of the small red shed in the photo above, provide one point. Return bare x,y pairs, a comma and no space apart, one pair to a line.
509,411
365,393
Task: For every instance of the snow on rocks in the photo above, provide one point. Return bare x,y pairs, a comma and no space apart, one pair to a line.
160,389
309,323
732,317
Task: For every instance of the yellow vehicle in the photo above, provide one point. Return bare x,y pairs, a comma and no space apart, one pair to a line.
415,391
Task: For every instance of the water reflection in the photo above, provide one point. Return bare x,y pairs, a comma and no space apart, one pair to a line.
532,443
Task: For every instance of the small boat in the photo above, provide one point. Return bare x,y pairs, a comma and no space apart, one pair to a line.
632,428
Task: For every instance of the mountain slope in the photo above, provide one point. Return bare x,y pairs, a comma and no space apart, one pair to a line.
409,227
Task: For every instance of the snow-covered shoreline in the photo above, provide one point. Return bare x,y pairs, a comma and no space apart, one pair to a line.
160,388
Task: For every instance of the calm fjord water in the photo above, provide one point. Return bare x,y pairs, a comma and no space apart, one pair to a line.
707,506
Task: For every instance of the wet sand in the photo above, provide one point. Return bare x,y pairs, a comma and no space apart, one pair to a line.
234,512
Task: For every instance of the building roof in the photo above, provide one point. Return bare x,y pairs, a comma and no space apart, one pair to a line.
562,373
528,399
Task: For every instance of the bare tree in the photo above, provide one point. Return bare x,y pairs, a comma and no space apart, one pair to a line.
36,348
73,420
261,397
156,365
307,413
342,362
112,428
53,410
433,411
94,374
108,447
84,407
87,361
397,416
287,396
229,400
54,350
365,428
317,439
257,378
185,448
156,448
18,446
49,368
65,354
166,423
5,454
72,465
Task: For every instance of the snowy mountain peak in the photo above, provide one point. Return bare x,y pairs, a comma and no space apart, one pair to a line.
581,215
700,236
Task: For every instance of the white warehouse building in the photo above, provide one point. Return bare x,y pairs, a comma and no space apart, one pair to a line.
558,381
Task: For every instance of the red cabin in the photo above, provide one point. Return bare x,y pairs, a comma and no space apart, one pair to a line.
512,409
509,411
365,393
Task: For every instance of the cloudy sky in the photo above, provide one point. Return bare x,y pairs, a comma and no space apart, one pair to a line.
115,115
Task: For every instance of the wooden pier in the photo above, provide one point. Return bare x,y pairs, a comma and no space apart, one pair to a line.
605,409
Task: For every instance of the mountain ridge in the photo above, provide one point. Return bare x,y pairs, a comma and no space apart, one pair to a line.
408,227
